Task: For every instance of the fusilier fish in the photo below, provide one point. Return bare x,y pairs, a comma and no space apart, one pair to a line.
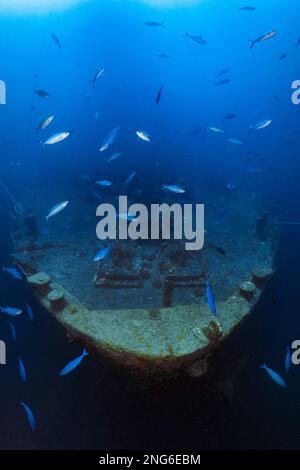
143,136
130,177
274,375
158,96
260,125
11,311
30,416
162,55
102,253
288,359
56,40
13,330
228,117
174,188
196,38
263,37
57,209
13,272
223,72
57,138
73,364
114,156
29,312
97,75
103,182
283,56
235,141
109,139
196,131
22,370
224,81
247,8
217,130
155,23
210,299
42,94
44,123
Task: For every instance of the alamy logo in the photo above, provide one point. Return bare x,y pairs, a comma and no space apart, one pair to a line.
2,92
180,222
2,353
296,93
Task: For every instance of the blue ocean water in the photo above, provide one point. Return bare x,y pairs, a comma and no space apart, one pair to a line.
95,408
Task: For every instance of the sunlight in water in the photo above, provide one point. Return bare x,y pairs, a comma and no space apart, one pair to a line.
36,6
171,3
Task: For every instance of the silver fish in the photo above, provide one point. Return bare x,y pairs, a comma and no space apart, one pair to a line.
217,130
263,37
97,75
174,188
143,136
114,156
57,138
45,123
130,177
109,139
196,38
57,209
235,141
260,125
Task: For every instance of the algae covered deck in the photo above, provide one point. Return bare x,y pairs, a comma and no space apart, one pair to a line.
66,246
130,324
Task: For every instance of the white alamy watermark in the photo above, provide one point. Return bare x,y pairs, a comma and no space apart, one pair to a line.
159,222
296,93
2,92
2,353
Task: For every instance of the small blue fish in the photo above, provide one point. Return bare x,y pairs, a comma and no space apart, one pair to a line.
288,361
274,376
73,364
22,370
102,253
29,311
13,330
174,188
210,299
13,272
96,195
30,417
10,311
130,177
104,182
